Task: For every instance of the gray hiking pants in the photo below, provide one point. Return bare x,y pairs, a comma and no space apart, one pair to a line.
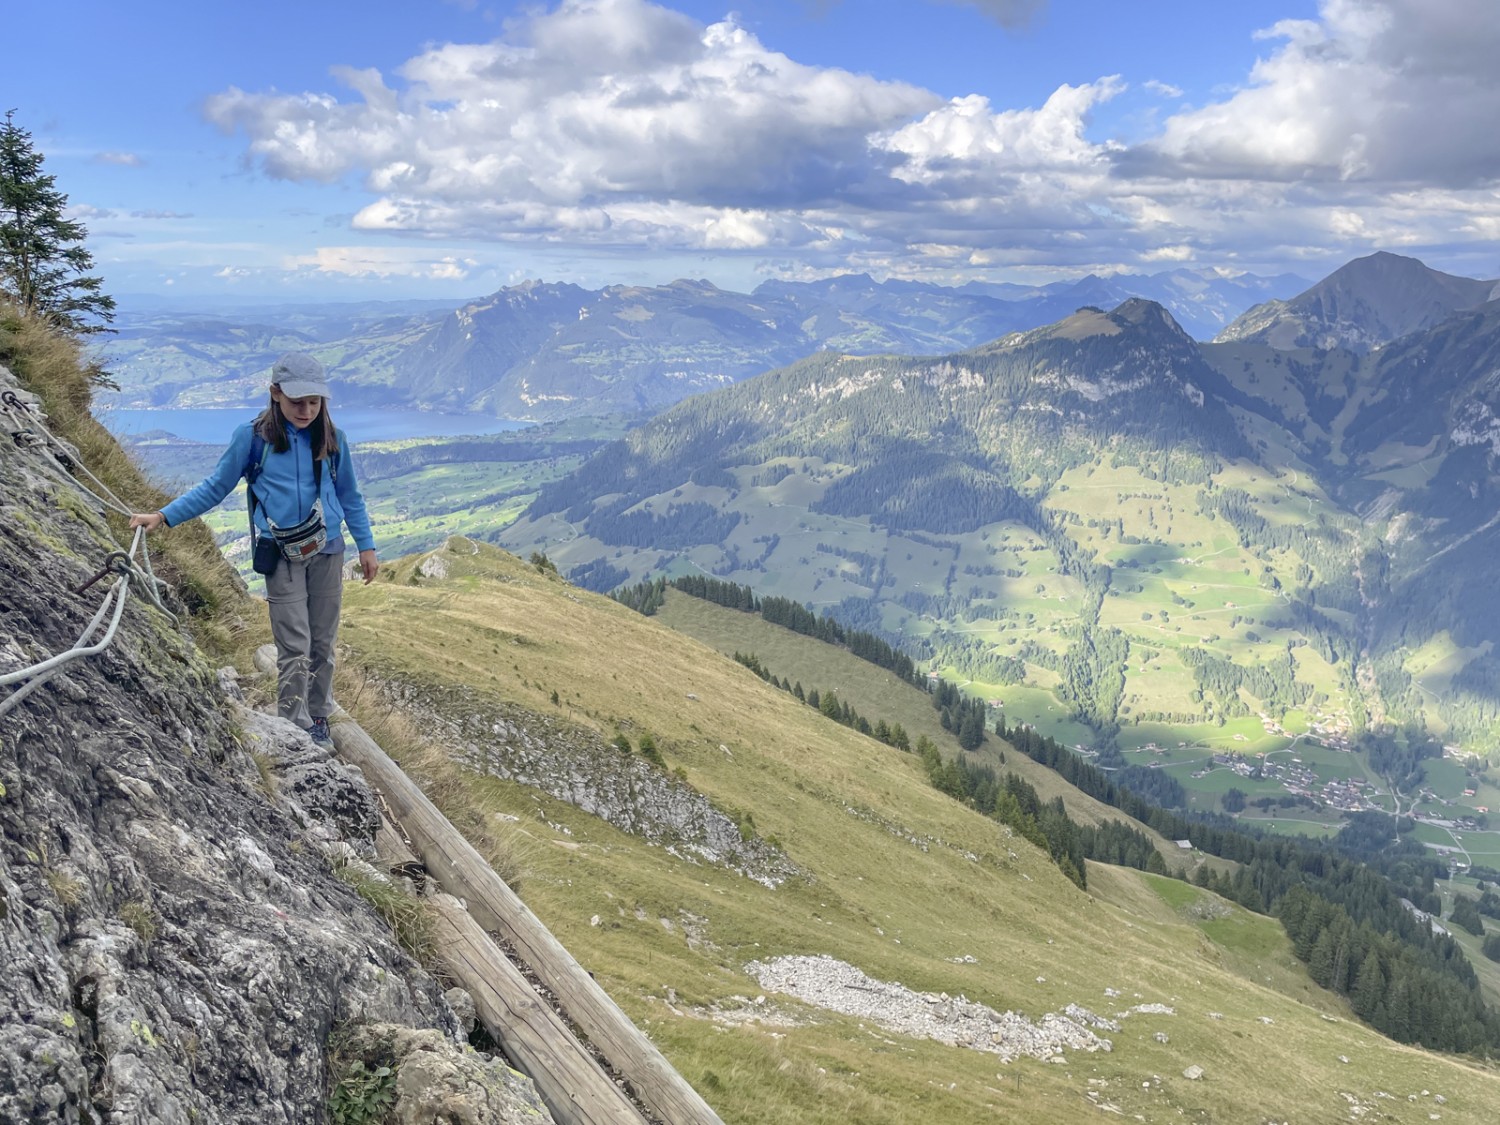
305,598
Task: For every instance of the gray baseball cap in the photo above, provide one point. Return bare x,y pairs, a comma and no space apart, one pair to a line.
299,375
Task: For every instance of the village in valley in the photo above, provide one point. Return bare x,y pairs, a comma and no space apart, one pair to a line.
1305,776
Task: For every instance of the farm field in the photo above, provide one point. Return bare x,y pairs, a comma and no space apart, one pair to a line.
1295,827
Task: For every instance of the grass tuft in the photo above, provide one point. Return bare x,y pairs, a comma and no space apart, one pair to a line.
410,919
140,918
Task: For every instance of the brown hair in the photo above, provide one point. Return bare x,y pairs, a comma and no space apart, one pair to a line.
270,424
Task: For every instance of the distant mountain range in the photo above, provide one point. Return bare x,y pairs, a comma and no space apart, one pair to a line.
1366,303
549,350
1151,529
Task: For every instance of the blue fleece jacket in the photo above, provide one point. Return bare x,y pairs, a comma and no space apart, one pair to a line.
284,490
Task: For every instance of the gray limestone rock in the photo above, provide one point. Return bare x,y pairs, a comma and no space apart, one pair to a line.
576,765
435,1080
320,791
463,1009
176,948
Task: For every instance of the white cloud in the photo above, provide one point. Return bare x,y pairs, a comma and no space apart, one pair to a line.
87,212
1374,90
965,138
1178,253
618,124
597,101
124,159
161,215
382,262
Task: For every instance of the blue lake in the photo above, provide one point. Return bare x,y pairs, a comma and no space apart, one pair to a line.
361,424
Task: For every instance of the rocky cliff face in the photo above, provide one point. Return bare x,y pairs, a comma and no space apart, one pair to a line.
178,947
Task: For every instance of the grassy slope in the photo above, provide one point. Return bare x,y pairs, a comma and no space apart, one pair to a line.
847,809
873,692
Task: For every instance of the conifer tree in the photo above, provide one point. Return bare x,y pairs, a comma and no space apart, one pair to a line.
44,266
1369,987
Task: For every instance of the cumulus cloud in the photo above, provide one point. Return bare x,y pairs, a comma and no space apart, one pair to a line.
623,124
1374,90
124,159
599,100
966,138
1178,253
161,215
382,262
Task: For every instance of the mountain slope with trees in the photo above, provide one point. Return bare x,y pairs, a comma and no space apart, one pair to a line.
901,880
460,655
1154,532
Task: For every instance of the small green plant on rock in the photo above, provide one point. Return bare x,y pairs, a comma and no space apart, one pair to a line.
651,753
140,918
362,1095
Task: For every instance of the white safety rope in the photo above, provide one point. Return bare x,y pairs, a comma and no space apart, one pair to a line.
29,422
38,674
123,563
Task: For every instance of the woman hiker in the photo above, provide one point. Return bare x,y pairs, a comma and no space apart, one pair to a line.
300,475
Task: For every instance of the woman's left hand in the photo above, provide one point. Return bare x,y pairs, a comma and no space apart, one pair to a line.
370,565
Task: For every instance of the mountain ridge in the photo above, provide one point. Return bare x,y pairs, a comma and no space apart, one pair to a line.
959,445
1361,306
929,902
545,350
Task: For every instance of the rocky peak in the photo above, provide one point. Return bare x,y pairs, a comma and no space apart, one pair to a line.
1138,312
1362,305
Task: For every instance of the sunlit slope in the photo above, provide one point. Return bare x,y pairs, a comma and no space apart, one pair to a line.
878,694
1001,511
899,881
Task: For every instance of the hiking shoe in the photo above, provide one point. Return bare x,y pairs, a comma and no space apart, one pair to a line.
319,730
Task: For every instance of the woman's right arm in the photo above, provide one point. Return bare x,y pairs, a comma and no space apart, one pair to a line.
207,492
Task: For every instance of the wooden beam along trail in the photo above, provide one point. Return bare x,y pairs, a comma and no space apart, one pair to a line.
492,905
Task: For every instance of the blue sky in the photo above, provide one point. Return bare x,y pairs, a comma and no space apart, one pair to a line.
343,150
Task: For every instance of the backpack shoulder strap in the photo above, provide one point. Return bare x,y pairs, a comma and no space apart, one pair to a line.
333,462
258,450
257,461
